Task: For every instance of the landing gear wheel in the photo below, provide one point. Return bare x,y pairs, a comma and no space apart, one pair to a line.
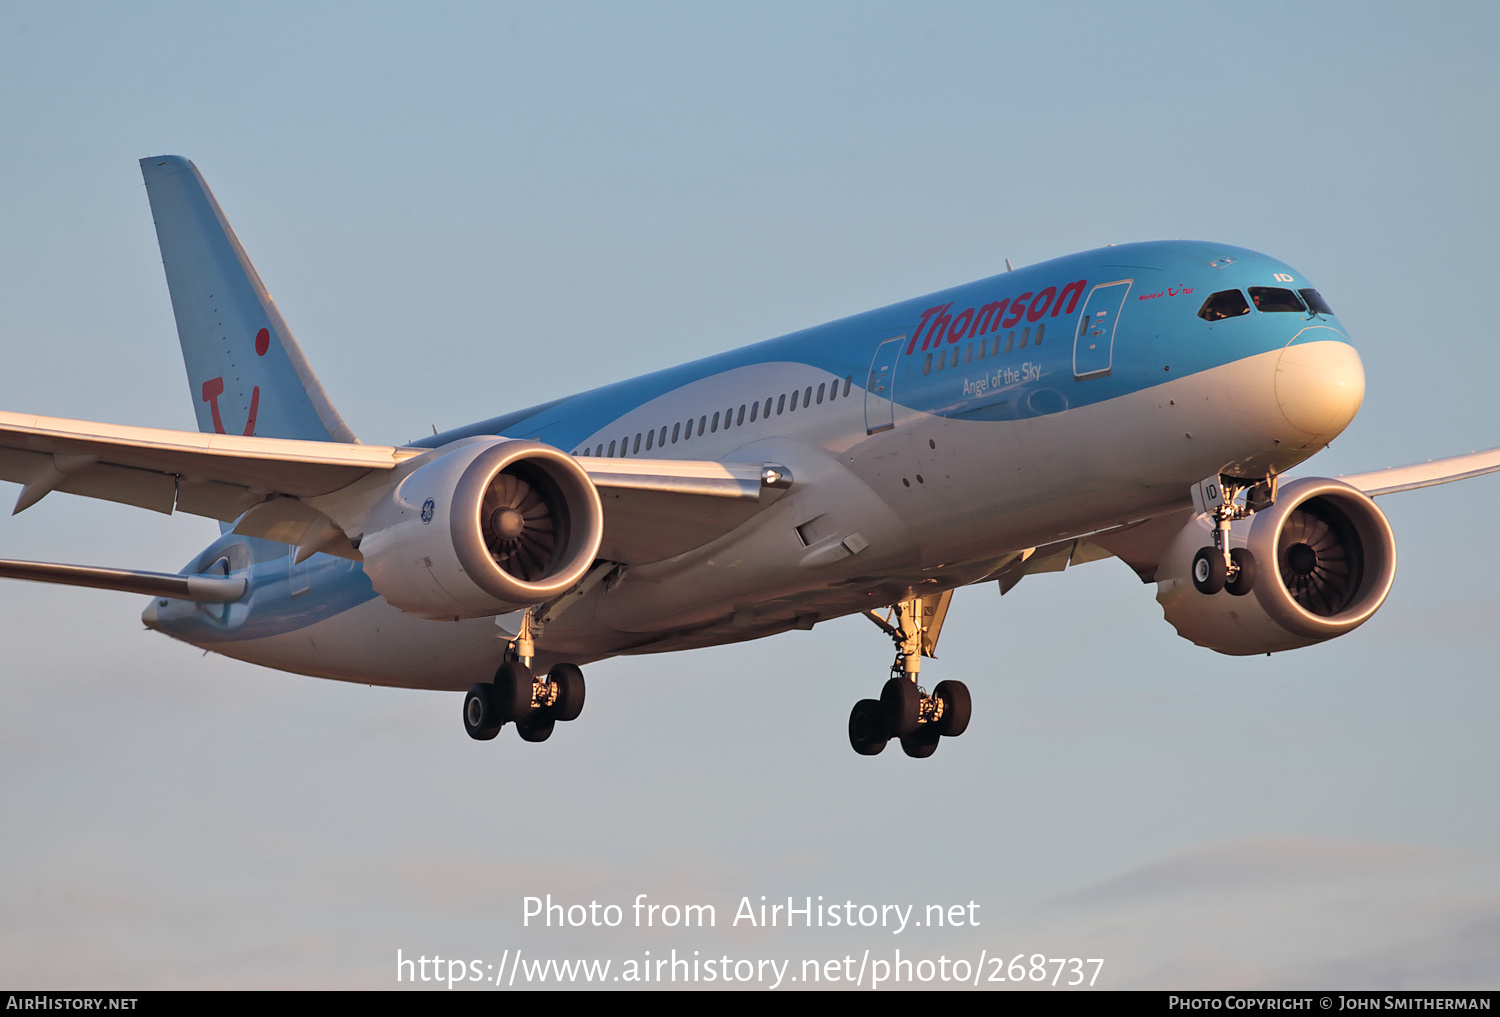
921,743
569,681
900,706
481,719
1244,580
513,691
957,708
867,728
534,729
1209,571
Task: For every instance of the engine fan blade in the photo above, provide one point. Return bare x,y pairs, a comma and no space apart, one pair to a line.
519,528
1319,561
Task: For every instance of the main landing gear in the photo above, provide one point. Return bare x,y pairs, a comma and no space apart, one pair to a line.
517,695
1221,567
904,710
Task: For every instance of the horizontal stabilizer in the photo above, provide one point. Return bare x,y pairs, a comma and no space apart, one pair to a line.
204,589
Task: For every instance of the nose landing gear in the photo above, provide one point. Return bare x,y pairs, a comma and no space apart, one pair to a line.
904,710
1221,567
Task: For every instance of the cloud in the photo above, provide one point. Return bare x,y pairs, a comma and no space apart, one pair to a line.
1288,913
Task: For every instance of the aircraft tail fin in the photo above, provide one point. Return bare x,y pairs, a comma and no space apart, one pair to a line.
246,373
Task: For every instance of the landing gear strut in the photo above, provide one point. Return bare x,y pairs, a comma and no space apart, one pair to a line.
1221,567
904,710
518,696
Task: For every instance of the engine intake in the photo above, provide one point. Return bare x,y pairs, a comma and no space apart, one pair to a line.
1326,560
489,527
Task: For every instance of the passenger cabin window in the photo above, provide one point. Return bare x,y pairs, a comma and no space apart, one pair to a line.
733,417
1315,302
1273,298
1224,304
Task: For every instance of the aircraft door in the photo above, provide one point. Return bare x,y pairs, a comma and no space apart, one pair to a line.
880,387
1094,342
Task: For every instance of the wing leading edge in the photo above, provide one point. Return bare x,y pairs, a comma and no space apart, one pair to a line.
1395,479
274,487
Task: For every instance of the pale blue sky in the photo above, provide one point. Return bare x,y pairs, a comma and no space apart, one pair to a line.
462,209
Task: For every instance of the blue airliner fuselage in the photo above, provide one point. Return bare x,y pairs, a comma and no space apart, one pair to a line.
930,439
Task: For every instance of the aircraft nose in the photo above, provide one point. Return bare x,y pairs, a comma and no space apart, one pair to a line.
148,616
1320,386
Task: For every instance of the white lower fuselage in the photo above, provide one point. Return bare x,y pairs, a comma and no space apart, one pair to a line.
928,504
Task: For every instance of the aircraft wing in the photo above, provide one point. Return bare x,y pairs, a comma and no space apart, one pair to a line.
654,508
659,508
1428,474
215,475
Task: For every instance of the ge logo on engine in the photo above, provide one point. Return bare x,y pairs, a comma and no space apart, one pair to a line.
427,507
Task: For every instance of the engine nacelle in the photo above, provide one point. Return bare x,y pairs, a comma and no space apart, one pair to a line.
1325,560
491,527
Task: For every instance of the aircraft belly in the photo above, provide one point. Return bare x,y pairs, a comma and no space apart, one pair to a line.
932,502
922,513
830,528
377,644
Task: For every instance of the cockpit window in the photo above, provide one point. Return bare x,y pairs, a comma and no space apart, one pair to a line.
1315,302
1273,298
1224,304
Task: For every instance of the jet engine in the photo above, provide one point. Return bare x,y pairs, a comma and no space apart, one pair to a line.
1325,559
492,526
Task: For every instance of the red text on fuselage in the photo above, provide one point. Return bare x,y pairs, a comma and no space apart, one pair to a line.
992,317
